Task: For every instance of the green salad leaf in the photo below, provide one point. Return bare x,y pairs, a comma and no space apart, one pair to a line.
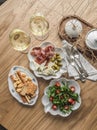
62,97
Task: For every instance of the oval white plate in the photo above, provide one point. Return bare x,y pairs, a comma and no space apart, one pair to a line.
47,104
57,50
12,89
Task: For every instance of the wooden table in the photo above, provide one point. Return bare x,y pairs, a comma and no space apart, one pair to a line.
14,116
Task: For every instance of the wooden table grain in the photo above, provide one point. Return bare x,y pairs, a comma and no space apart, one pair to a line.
14,116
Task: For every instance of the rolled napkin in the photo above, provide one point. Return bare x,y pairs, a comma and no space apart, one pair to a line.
92,72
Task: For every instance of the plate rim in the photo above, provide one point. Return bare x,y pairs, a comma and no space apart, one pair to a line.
64,115
92,30
44,76
32,76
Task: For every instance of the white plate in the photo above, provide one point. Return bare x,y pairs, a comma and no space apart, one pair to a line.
91,39
47,104
12,89
59,73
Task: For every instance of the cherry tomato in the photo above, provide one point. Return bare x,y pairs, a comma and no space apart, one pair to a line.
72,88
54,107
66,107
61,97
57,91
57,84
51,98
70,100
73,102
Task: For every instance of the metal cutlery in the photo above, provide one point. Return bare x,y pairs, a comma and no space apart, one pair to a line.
76,66
75,54
90,74
71,61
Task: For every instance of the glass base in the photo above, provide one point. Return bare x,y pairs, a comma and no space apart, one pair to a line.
41,38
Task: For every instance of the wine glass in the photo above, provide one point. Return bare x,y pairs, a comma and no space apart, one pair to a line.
20,40
39,26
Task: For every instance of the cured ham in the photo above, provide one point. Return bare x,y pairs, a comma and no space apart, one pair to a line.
43,54
36,51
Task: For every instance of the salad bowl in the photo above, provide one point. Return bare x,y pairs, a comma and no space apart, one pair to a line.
61,97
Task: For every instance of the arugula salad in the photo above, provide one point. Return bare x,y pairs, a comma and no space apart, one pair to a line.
62,96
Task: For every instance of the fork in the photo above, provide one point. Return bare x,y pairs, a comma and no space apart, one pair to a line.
71,54
70,61
75,55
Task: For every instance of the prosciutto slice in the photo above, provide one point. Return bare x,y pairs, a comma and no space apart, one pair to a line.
36,51
43,54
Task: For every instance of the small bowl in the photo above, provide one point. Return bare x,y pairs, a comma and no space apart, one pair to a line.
91,39
73,28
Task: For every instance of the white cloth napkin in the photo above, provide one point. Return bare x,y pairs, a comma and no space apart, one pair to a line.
92,72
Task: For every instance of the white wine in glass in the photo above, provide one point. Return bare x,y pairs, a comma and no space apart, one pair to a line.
39,26
20,40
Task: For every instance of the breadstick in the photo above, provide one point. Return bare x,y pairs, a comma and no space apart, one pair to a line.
23,99
21,77
27,99
18,77
12,78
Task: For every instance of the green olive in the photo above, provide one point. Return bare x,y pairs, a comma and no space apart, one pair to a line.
53,59
56,62
59,64
53,67
59,60
58,68
58,57
57,54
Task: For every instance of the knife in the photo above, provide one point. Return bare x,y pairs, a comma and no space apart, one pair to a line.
69,51
71,62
